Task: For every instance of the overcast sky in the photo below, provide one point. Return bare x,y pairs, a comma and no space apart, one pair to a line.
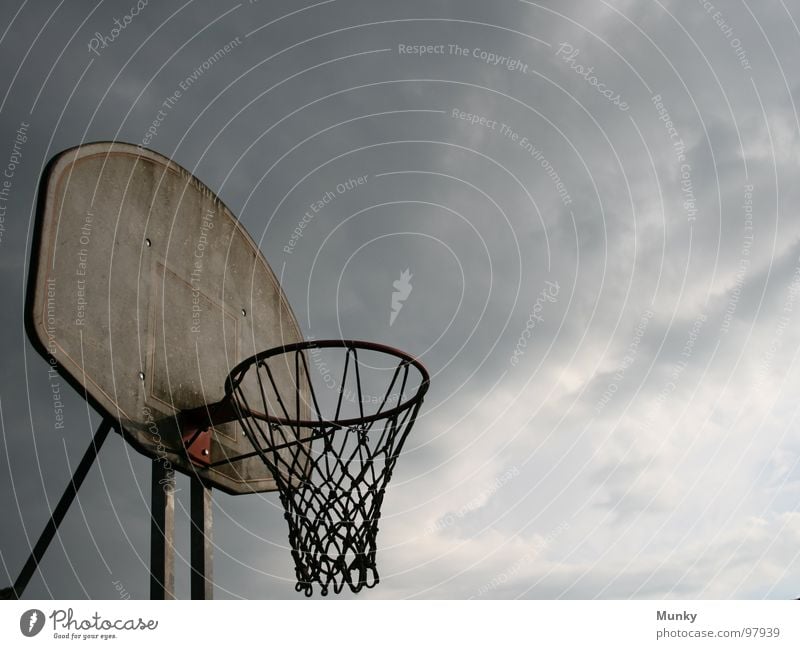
597,204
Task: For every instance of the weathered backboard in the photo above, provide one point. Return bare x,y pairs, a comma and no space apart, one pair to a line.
147,291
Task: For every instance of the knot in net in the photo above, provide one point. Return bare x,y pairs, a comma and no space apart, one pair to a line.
329,419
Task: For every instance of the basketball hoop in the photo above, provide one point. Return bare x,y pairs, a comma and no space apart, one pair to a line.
310,431
331,466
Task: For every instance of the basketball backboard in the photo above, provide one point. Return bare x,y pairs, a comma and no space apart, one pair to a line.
147,291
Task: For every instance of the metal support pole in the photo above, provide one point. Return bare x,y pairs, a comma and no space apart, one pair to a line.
15,592
162,532
202,582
